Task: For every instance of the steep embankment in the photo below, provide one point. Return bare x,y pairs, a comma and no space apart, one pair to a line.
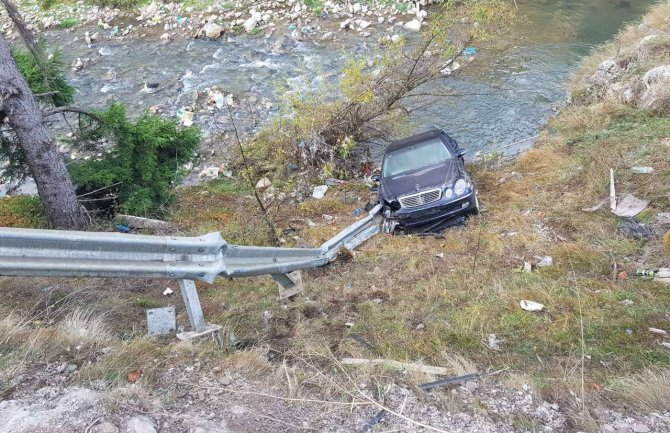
451,301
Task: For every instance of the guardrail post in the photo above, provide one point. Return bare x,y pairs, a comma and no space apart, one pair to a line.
192,304
199,326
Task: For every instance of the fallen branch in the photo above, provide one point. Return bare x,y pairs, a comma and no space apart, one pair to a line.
69,109
426,369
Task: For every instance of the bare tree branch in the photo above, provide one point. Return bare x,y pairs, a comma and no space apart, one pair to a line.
70,109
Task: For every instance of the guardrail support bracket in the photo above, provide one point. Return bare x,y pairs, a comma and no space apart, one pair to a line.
289,284
199,327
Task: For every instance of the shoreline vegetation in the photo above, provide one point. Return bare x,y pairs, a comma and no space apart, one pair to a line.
590,360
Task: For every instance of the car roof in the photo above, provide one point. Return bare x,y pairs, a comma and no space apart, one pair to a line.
415,139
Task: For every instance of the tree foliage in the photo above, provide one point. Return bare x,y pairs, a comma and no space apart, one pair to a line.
42,82
143,166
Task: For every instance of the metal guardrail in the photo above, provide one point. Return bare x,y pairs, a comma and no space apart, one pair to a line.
53,253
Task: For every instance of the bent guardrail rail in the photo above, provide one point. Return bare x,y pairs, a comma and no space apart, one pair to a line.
54,253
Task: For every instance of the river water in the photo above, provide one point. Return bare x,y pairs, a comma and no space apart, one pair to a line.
514,92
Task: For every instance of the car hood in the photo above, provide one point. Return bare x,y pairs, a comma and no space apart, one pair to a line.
406,183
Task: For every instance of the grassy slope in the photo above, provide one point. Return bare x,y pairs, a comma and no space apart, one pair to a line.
412,305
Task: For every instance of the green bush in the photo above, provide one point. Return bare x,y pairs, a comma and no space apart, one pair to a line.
51,80
144,166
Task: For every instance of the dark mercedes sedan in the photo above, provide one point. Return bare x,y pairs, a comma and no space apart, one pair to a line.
423,182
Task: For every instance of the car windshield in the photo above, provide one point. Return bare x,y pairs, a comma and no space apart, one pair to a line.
415,157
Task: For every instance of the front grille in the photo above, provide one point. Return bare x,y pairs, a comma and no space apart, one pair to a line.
421,198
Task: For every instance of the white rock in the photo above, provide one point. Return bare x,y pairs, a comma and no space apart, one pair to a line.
165,38
364,24
140,424
104,427
250,24
211,30
328,36
640,428
413,25
320,191
263,183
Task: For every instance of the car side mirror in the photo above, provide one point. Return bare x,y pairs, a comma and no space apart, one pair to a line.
460,152
376,178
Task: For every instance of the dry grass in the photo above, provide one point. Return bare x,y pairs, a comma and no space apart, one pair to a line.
646,391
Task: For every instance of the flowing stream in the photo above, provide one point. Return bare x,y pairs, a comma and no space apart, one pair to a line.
510,96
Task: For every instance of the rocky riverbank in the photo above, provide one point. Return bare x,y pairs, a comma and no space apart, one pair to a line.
304,19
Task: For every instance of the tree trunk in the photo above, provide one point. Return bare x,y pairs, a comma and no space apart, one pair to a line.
39,146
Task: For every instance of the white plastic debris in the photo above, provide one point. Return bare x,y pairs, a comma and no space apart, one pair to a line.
642,170
168,291
630,206
658,331
493,342
545,261
320,191
531,305
626,302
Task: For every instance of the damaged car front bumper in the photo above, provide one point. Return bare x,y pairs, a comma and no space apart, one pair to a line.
430,213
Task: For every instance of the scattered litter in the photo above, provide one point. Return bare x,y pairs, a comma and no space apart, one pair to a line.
449,381
311,223
134,375
633,230
215,97
629,331
531,305
627,302
167,292
493,342
621,276
320,191
663,218
630,206
658,331
527,267
357,212
349,324
328,217
359,338
332,181
543,262
439,255
663,276
642,170
595,208
645,273
122,228
612,192
512,176
379,416
143,223
427,369
185,117
470,51
666,345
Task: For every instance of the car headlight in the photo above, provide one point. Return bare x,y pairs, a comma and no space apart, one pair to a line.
448,193
387,212
460,186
